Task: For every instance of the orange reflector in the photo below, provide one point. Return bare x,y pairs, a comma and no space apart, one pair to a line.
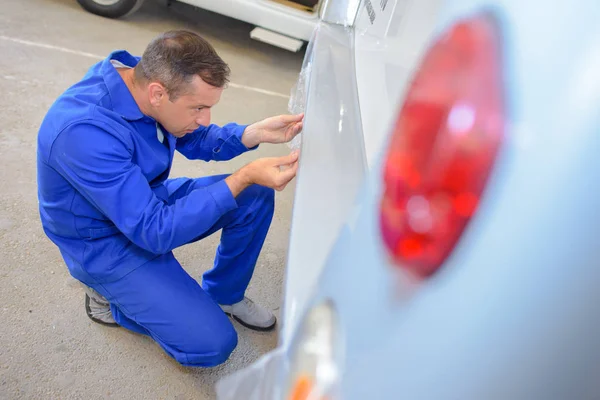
302,388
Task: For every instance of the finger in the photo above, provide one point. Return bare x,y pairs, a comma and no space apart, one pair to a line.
291,132
289,159
286,166
298,127
291,118
286,176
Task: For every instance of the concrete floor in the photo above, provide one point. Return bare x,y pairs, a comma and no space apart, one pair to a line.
49,348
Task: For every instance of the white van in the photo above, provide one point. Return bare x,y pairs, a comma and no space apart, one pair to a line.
283,23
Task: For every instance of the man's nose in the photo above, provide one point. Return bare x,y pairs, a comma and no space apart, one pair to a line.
204,118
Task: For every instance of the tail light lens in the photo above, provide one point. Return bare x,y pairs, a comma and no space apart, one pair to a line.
444,144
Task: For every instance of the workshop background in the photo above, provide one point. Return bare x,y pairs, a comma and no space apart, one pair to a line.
49,348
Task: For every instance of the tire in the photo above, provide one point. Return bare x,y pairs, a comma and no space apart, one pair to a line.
307,3
111,8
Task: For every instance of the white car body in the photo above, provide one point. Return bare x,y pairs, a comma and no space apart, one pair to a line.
272,15
284,23
512,312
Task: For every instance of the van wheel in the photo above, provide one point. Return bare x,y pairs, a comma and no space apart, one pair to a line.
111,8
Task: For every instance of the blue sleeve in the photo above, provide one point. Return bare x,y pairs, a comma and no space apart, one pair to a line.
98,163
213,143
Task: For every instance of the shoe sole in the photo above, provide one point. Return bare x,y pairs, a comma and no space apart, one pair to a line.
253,327
88,312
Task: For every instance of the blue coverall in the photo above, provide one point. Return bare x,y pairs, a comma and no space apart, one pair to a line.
106,202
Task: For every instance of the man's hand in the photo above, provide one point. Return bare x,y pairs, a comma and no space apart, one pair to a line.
279,129
273,172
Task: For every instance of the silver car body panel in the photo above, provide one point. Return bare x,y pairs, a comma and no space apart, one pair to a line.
332,165
512,313
390,38
357,77
340,12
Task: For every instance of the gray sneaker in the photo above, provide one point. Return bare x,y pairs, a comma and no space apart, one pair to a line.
251,315
97,308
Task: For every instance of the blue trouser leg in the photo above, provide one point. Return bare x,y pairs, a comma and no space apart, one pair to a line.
244,233
161,300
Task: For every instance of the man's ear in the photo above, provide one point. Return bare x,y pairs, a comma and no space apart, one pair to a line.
156,93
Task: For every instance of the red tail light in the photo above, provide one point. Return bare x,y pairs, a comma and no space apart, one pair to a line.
443,147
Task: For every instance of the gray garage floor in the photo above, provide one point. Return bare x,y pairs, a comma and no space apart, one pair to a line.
49,349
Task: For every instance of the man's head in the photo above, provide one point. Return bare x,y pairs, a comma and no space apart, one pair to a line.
184,77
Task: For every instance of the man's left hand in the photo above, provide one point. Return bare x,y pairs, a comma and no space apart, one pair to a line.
279,129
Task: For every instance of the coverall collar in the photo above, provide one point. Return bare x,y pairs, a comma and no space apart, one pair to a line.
121,98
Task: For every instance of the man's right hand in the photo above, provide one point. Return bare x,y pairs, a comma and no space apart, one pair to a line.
273,172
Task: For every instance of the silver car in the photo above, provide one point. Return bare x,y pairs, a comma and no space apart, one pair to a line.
445,232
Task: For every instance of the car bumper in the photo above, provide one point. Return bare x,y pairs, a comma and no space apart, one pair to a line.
262,380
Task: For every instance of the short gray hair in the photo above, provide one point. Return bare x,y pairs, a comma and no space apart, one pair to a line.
174,57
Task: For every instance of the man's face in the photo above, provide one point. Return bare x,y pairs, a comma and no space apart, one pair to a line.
190,110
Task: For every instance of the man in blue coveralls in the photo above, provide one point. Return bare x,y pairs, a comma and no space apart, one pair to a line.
105,150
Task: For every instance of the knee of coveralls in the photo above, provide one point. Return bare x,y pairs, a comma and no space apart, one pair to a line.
196,352
258,198
160,299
